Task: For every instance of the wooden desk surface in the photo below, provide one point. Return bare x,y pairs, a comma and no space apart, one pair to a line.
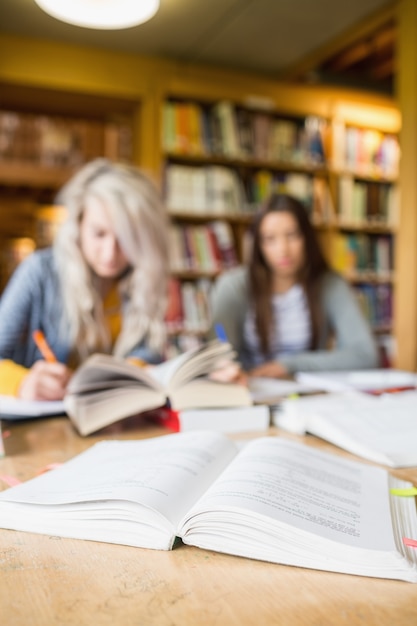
47,580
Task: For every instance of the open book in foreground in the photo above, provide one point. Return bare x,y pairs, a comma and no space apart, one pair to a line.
274,500
379,428
106,389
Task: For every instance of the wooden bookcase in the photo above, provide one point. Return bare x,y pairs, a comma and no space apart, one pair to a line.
365,168
345,175
44,137
221,160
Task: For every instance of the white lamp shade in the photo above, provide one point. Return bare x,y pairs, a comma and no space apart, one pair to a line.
102,14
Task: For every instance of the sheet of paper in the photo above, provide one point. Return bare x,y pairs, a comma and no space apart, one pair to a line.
382,429
264,389
363,380
15,409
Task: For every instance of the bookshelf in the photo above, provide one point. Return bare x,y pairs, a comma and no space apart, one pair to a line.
44,138
220,161
365,168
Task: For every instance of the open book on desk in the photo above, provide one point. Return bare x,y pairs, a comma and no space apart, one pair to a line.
379,428
106,388
273,500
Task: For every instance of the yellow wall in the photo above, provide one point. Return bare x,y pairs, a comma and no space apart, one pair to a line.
146,80
67,67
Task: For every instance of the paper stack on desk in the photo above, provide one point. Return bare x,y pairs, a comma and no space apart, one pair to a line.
379,428
375,380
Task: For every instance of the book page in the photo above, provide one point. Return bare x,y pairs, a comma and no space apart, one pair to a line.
306,489
190,365
166,474
104,371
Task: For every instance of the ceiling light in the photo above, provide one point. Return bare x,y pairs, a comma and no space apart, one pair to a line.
104,14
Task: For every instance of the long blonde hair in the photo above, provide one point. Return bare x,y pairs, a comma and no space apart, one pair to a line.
140,224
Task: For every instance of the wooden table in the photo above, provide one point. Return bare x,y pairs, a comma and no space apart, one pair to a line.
47,580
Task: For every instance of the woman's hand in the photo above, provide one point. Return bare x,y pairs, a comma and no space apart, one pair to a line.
229,372
271,369
45,381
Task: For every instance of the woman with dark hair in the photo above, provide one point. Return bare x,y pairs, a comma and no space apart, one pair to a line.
282,312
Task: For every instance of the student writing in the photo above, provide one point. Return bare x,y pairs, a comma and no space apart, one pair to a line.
101,287
281,311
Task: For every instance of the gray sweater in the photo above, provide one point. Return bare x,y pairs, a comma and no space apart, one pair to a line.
354,346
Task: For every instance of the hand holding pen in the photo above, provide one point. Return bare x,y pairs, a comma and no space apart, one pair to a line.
227,371
47,379
43,346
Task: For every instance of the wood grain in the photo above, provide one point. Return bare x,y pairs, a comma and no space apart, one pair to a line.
46,580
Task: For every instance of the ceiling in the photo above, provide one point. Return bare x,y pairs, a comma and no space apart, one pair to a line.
299,39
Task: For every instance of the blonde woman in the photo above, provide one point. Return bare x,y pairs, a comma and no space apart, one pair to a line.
100,288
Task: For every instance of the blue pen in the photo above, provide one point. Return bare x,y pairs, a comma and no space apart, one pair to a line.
220,333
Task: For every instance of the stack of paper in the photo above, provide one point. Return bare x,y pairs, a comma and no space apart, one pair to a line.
362,380
379,428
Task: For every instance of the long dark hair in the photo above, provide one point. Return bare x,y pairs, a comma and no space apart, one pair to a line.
260,275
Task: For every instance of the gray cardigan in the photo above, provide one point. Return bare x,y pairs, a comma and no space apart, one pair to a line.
354,346
32,301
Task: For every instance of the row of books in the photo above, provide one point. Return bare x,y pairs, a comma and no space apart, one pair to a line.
365,151
202,248
56,141
368,202
363,254
312,191
188,306
376,304
219,190
236,132
211,189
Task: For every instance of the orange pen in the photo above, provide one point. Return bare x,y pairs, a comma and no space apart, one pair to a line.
42,344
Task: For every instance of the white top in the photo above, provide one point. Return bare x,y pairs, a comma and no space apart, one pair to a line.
292,332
